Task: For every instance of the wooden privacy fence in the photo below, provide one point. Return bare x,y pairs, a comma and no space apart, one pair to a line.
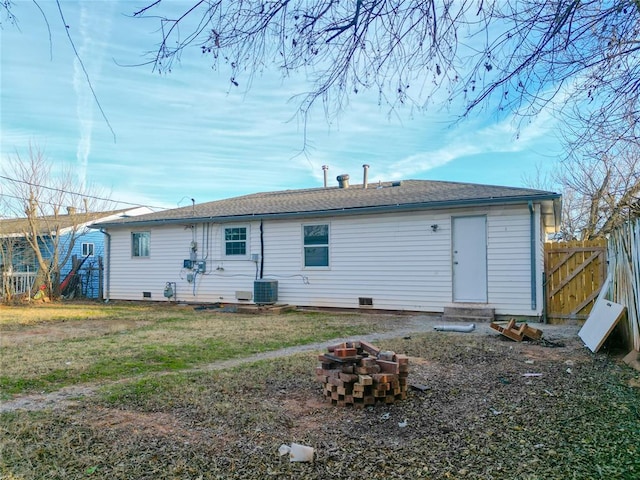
624,272
574,274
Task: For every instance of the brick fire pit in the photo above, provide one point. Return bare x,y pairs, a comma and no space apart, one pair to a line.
360,374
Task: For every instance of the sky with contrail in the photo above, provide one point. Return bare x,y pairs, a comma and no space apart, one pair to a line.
191,133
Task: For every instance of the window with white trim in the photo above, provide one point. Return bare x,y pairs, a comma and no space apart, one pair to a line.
140,243
235,241
87,249
316,245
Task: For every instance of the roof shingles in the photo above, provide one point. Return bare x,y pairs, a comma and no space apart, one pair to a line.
49,224
334,199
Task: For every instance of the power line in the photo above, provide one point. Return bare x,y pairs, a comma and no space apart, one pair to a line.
86,74
26,199
61,190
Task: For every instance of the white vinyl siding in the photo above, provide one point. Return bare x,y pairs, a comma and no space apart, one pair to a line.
396,259
509,260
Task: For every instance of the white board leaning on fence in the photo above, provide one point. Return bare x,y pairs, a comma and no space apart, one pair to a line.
602,320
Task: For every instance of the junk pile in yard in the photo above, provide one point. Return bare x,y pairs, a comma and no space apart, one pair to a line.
360,374
516,331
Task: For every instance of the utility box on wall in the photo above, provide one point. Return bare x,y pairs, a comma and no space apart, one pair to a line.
265,292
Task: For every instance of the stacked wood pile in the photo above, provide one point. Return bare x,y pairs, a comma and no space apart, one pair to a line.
360,374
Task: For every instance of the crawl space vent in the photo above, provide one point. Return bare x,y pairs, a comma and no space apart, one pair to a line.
365,301
146,294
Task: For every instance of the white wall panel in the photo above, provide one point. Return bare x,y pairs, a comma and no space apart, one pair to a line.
395,259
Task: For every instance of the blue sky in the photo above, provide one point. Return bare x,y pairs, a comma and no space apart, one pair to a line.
191,134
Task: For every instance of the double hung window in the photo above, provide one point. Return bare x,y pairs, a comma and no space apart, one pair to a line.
235,241
316,245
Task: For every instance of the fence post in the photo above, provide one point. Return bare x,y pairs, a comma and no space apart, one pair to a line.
100,278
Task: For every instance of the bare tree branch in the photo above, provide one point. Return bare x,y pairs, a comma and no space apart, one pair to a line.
46,21
523,56
5,11
42,200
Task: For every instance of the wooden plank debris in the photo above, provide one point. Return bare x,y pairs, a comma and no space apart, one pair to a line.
515,331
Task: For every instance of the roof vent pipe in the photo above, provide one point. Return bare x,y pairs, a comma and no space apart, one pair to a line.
343,180
325,168
365,179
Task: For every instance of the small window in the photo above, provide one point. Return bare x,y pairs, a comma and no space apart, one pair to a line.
87,249
235,241
316,245
140,244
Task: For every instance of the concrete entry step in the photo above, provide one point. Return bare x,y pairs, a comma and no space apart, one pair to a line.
468,314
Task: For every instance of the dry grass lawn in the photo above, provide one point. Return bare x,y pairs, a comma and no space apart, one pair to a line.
482,416
49,346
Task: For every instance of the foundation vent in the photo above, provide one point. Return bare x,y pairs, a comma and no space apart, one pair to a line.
365,301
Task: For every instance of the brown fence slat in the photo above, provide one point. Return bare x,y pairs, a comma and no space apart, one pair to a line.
574,274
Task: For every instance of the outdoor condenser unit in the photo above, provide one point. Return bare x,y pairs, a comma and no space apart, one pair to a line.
265,292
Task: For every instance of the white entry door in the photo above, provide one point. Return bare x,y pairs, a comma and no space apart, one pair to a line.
469,255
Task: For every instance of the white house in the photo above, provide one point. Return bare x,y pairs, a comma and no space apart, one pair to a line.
412,245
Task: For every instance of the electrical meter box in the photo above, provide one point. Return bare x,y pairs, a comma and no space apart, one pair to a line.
201,266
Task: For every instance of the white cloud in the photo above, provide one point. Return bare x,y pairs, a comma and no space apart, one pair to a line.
190,133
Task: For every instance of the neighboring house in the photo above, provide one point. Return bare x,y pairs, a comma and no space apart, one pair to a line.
19,260
410,245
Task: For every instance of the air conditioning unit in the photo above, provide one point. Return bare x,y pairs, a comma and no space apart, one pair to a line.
265,292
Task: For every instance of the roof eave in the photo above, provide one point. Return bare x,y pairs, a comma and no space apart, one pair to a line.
334,212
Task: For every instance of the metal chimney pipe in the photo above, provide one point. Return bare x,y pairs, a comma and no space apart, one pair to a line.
343,180
325,168
365,179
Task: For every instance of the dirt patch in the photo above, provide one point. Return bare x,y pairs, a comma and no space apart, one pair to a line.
141,423
60,399
307,414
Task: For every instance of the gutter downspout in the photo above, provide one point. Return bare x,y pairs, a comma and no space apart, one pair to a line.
107,277
532,238
261,248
